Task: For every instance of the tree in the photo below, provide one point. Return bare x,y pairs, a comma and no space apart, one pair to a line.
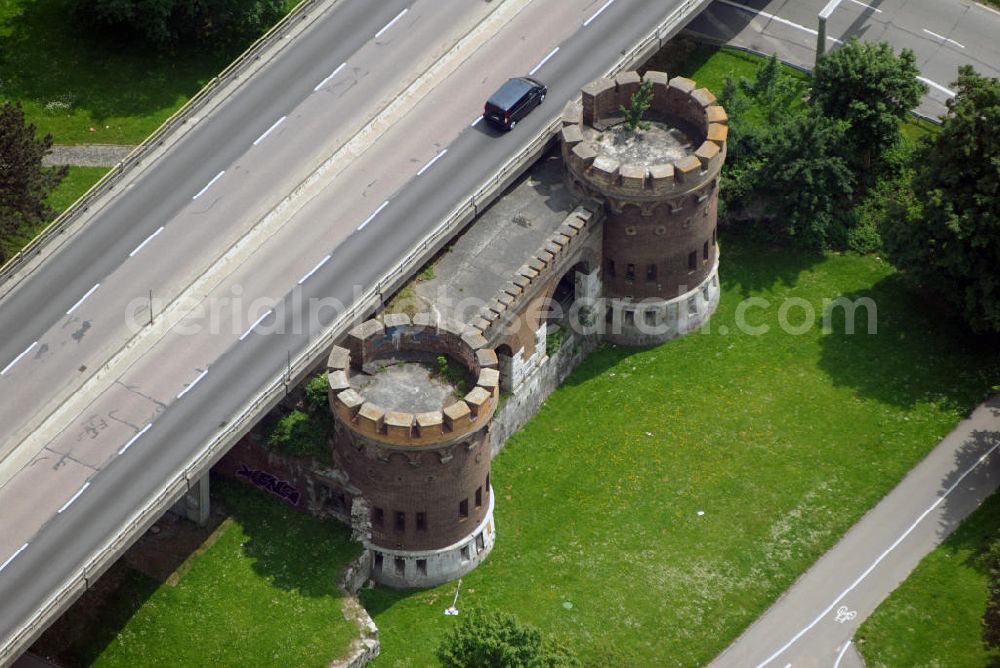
168,22
805,178
498,640
871,88
948,240
638,106
24,183
317,393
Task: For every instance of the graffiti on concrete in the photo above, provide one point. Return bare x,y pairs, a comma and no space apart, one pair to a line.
269,483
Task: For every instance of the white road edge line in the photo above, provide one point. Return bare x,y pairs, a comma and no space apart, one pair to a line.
329,76
777,19
134,439
377,212
148,239
432,161
943,38
867,6
193,383
544,60
254,326
209,184
476,122
843,651
389,24
269,130
74,498
18,358
82,299
947,91
882,556
597,13
314,269
13,557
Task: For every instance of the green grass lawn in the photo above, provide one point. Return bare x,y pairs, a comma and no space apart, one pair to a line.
782,441
69,80
263,594
935,617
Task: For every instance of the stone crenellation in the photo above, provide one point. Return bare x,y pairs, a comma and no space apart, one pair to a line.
538,270
373,339
675,101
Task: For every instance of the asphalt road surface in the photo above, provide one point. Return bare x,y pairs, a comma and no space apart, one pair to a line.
338,237
943,34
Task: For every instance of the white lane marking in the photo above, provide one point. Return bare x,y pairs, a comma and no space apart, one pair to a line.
947,91
544,60
75,497
134,439
377,212
89,292
13,557
476,122
597,13
389,24
269,130
432,161
777,19
843,651
18,359
867,6
329,76
193,383
314,269
830,8
209,184
254,325
148,239
943,38
882,556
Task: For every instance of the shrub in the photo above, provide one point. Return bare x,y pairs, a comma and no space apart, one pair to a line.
301,435
317,393
499,640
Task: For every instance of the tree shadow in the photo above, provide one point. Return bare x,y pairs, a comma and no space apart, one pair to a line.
974,476
918,353
756,264
50,57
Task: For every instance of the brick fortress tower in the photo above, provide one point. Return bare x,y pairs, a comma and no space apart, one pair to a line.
659,187
412,434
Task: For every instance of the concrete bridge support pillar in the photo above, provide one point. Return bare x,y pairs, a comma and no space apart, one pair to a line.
196,501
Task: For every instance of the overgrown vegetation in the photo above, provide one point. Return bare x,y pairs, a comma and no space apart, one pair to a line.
638,106
452,373
302,434
935,617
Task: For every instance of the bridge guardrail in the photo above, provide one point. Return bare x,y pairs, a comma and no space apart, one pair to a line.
306,361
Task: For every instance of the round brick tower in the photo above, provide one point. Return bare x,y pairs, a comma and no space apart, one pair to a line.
412,433
660,189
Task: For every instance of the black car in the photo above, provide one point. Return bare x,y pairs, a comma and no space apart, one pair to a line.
513,101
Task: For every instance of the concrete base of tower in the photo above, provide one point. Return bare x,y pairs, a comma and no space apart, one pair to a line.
429,568
651,322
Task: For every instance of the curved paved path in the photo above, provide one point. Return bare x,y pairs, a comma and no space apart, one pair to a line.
813,622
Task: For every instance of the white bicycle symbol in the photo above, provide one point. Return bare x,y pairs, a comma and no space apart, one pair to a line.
845,615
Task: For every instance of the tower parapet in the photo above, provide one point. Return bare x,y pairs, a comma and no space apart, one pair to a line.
660,190
414,438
